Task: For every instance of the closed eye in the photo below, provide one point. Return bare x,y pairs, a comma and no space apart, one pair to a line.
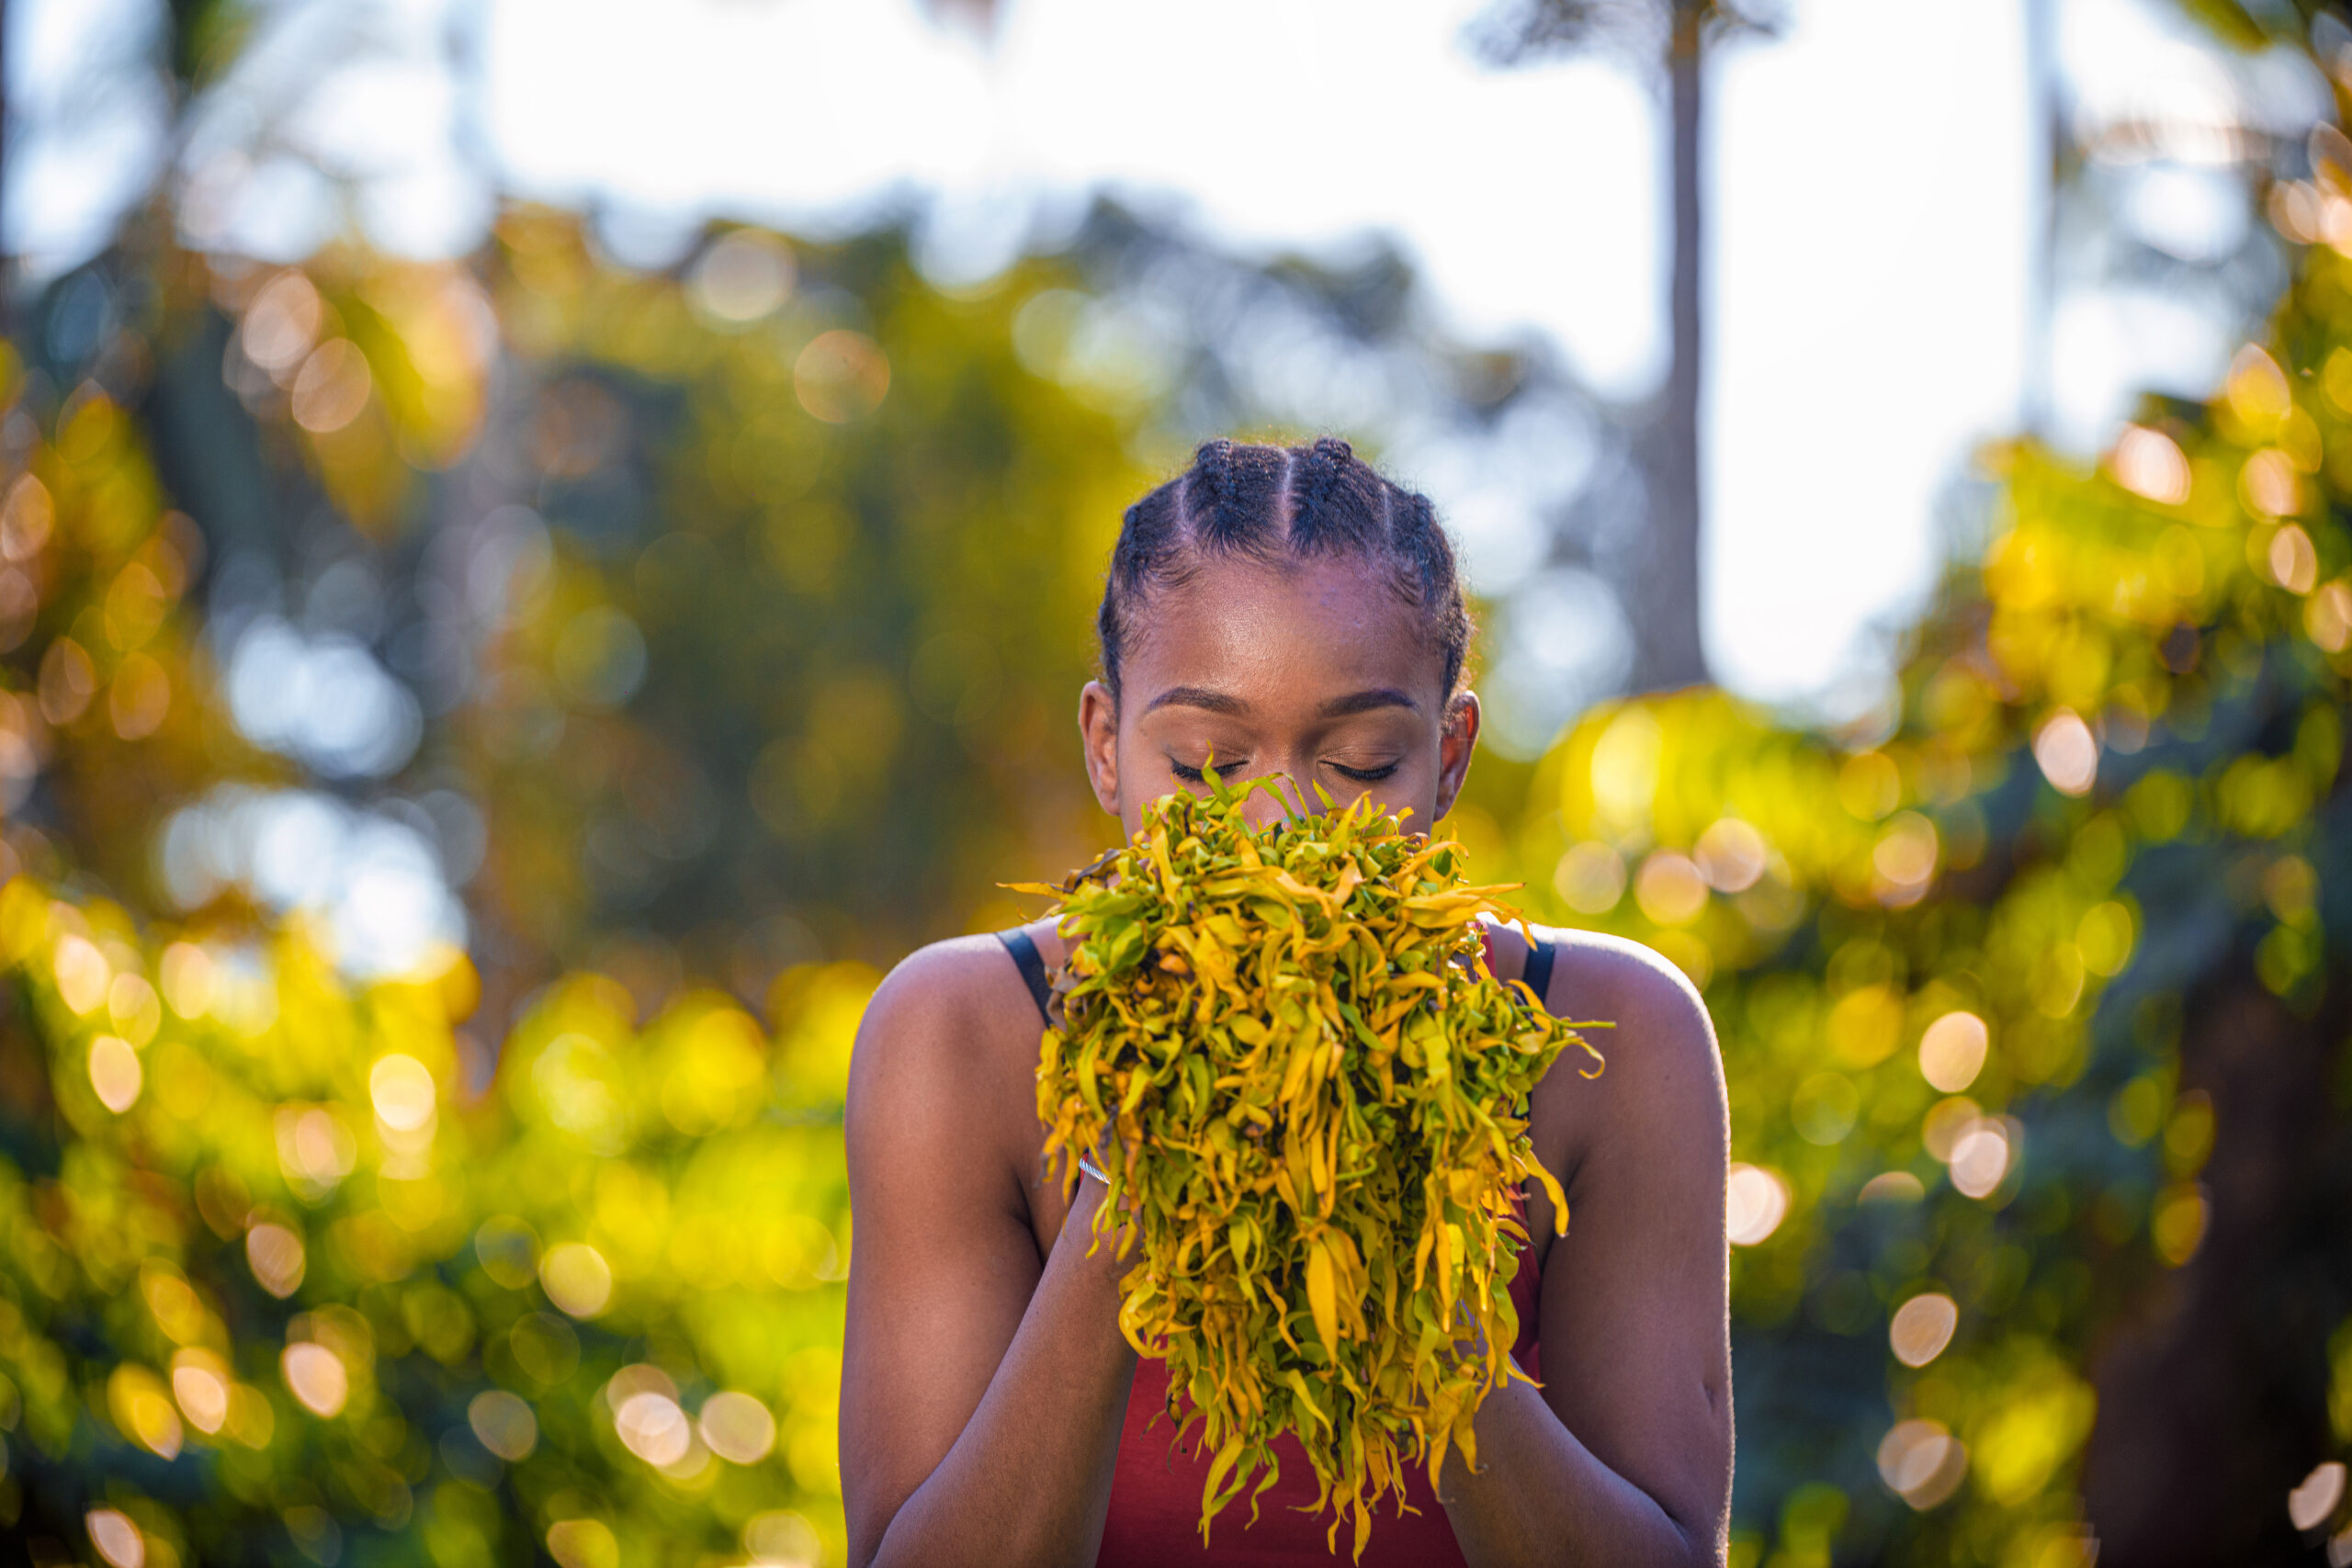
1230,770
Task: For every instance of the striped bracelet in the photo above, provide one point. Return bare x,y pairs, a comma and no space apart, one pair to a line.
1088,1165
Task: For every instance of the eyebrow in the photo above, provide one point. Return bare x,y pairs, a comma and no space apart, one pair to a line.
1365,702
1197,698
1338,707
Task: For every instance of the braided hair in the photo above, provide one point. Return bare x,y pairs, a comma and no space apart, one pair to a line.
1268,504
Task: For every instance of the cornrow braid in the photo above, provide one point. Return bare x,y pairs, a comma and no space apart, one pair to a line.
1432,553
1207,485
1319,468
1267,503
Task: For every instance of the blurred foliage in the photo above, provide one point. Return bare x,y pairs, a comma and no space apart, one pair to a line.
274,1284
850,544
734,599
1968,972
744,604
286,1272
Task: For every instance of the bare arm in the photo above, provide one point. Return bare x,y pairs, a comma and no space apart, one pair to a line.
1625,1456
982,1393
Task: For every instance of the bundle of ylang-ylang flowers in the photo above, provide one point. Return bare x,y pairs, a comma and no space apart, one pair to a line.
1311,1093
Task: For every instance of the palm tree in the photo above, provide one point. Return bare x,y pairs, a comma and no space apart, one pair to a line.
1677,36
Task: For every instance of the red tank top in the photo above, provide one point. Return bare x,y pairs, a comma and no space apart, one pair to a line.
1155,1514
1155,1517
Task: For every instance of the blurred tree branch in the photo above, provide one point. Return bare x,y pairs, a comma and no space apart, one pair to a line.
977,18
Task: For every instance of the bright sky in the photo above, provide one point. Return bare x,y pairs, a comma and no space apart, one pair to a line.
1873,200
1872,208
1876,216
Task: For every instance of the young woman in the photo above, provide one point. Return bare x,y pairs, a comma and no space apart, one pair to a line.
1289,612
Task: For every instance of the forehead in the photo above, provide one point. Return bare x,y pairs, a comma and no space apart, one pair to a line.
1283,632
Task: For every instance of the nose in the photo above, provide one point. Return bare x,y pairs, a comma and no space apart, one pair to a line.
1263,806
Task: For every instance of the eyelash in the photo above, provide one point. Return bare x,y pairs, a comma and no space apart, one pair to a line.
1361,775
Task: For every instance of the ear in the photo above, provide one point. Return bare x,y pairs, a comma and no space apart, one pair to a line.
1098,730
1454,744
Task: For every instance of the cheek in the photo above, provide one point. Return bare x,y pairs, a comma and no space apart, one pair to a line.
1140,778
1427,779
1421,796
1413,786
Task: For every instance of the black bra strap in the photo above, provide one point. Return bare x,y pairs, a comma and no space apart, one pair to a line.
1033,967
1538,973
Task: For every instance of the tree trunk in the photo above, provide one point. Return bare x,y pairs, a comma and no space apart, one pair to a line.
8,145
1667,651
2042,275
2212,1390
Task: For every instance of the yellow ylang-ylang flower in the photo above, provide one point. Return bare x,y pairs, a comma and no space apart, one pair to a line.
1309,1094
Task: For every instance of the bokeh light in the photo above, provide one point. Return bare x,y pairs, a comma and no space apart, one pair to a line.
2293,561
281,323
577,1279
143,1410
2177,1226
115,1539
1922,1463
402,1091
187,974
2270,485
2314,1499
1669,889
1952,1049
2150,465
316,1376
505,1425
331,386
741,277
1922,1326
582,1543
2068,752
1903,859
781,1538
841,376
1730,854
276,1257
651,1427
83,975
201,1383
1756,1201
115,1073
2327,616
1947,1120
1981,1155
1590,878
1892,1187
315,1149
133,1004
737,1427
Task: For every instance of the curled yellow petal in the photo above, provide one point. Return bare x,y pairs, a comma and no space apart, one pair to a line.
1323,1295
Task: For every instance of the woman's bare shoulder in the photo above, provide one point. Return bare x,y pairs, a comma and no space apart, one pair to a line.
952,1019
954,975
1594,969
1659,1050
